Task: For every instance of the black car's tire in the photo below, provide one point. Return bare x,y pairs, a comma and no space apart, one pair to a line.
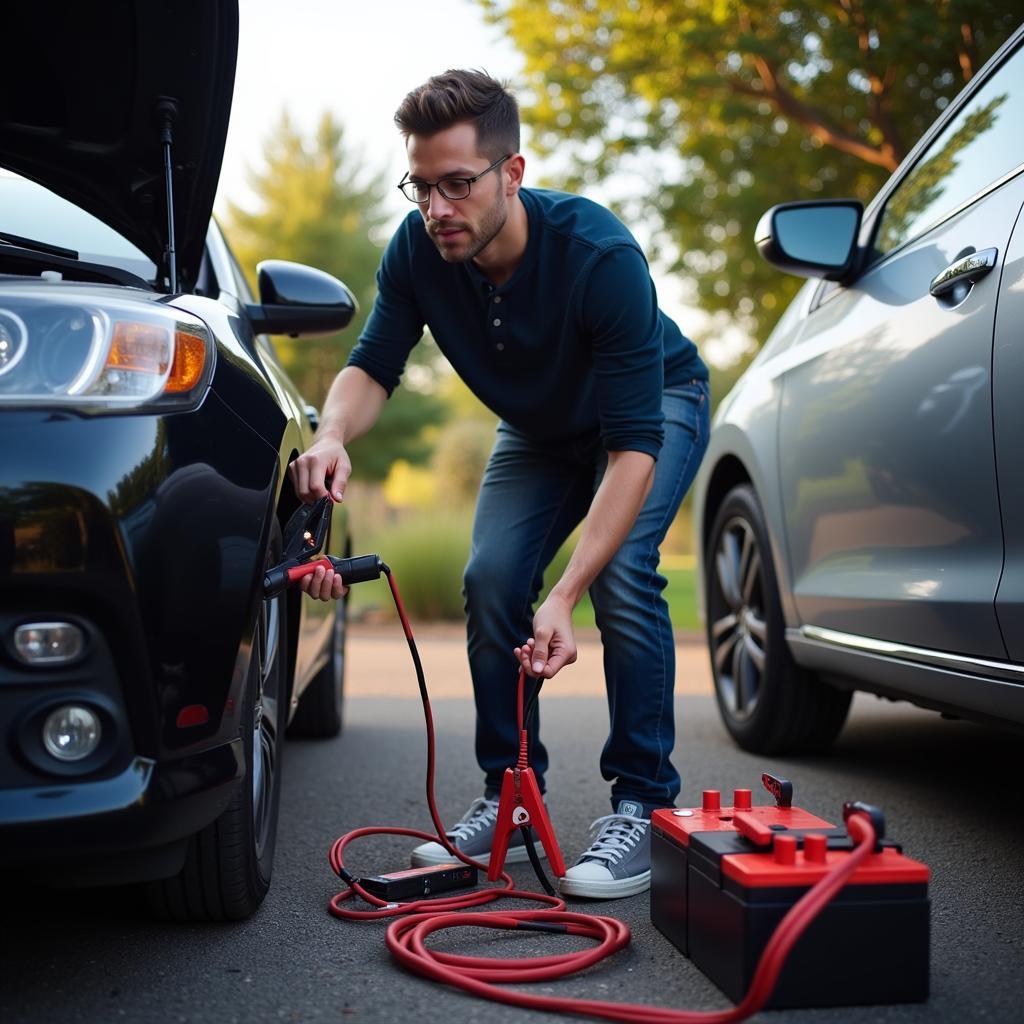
319,714
228,864
768,703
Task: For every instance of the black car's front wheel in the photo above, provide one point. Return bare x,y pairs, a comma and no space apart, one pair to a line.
228,865
768,703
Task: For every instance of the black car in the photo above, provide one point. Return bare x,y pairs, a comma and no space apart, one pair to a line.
146,428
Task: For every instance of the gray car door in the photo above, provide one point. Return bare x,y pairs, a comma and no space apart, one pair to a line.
1008,416
887,461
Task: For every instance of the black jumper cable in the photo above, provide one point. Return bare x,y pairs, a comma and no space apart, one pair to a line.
406,937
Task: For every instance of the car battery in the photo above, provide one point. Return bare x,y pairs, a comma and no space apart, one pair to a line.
723,877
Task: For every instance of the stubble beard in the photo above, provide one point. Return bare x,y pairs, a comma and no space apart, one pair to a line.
493,221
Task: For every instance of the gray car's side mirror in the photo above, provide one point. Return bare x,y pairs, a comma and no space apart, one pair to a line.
296,299
811,239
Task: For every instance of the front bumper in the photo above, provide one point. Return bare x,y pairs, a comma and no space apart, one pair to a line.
149,533
129,827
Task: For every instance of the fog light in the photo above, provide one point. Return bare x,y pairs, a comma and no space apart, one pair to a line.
48,643
71,733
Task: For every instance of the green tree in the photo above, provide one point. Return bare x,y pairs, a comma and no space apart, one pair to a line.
318,204
723,108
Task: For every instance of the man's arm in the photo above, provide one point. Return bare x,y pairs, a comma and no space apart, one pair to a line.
616,505
353,404
351,408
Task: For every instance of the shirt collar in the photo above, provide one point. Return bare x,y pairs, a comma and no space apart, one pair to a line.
533,220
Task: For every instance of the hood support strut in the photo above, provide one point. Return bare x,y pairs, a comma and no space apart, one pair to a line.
167,114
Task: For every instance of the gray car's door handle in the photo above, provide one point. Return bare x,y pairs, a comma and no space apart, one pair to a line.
965,270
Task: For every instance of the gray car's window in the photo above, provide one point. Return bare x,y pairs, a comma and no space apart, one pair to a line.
980,145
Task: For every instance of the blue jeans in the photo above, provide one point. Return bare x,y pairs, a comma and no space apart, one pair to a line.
532,496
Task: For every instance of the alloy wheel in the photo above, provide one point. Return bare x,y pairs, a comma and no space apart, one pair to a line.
737,630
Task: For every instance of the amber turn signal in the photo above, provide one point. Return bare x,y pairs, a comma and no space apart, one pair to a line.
189,359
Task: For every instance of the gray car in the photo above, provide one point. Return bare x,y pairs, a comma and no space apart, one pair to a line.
860,510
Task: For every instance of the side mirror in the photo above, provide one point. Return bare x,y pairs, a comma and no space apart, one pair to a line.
813,239
296,299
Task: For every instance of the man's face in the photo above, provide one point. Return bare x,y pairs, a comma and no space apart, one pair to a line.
460,228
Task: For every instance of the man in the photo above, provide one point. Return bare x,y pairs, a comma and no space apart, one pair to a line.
544,305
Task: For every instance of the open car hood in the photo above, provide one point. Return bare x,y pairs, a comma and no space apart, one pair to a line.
78,102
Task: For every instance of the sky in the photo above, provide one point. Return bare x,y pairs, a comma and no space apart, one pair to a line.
358,60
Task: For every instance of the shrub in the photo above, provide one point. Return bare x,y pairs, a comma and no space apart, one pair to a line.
427,553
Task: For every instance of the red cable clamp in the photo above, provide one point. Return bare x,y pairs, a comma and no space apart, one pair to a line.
521,804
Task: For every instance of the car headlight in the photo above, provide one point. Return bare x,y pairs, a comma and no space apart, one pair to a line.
107,354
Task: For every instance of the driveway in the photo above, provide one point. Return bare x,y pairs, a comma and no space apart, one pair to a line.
380,667
950,790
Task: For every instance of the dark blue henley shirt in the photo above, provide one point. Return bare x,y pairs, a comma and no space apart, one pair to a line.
571,347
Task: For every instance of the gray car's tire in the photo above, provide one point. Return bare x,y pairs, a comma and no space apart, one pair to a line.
768,703
319,714
228,864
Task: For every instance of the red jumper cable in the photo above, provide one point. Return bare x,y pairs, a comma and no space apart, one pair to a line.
406,937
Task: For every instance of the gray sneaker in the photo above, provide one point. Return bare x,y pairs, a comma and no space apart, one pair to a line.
618,862
473,836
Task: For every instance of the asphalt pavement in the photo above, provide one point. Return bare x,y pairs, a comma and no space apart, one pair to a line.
950,791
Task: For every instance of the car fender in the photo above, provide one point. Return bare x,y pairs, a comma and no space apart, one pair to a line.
743,448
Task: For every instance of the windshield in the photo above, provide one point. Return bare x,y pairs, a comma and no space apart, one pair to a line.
32,211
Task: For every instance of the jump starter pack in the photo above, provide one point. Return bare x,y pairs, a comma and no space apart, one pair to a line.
418,883
723,877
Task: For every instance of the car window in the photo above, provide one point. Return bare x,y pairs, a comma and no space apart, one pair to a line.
244,291
225,266
220,259
978,147
32,211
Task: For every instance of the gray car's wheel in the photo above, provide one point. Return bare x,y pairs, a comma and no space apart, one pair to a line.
228,865
319,714
768,703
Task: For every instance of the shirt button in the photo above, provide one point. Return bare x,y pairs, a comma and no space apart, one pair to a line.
497,298
496,321
500,347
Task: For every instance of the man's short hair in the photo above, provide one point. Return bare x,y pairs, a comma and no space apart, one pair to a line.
464,96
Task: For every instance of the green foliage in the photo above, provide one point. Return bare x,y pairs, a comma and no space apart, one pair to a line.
316,207
428,553
460,455
723,108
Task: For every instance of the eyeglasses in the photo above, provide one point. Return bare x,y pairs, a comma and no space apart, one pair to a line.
450,188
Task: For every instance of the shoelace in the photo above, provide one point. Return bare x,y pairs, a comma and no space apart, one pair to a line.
482,812
619,833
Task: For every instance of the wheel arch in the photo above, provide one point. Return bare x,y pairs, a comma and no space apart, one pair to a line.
730,472
287,503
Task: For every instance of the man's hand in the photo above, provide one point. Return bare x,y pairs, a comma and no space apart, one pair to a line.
552,645
323,584
325,459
